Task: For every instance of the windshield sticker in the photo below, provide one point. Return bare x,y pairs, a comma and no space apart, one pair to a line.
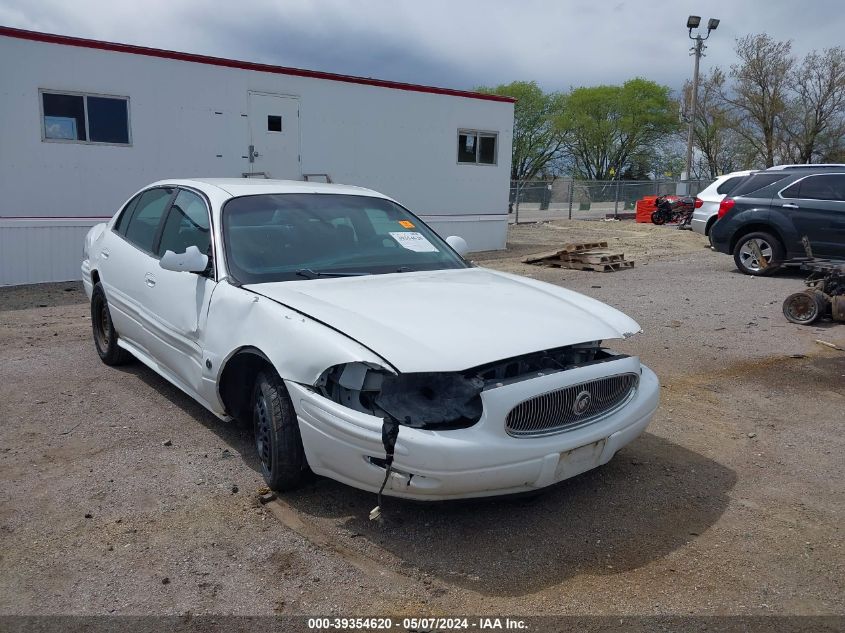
413,241
407,224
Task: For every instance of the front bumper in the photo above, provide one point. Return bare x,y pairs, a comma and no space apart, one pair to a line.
86,278
482,460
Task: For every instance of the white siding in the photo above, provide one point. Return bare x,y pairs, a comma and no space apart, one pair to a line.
39,250
399,142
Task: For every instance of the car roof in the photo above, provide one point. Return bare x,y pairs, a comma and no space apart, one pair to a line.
721,180
807,166
734,174
255,186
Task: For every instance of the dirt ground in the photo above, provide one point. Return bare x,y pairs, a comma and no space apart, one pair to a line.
121,495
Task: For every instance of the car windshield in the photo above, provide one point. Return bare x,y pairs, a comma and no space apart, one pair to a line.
286,237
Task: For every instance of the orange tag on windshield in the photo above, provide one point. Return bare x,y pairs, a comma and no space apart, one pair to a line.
407,224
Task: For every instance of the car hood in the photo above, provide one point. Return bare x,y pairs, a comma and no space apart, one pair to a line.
451,320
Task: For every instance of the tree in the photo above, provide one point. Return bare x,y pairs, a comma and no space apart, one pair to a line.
815,119
721,148
537,142
607,127
759,98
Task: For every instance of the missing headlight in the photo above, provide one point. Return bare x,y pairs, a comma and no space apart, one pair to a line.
432,400
422,400
354,385
445,400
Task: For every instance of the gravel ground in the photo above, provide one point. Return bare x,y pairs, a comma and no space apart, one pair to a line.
120,495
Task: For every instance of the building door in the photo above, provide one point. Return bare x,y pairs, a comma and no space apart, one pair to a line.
274,136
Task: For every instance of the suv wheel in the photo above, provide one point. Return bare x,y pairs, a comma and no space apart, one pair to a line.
745,255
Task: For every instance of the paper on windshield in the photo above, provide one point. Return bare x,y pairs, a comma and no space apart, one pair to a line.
413,241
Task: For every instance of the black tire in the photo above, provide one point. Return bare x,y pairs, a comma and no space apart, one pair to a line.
770,248
277,438
657,218
105,335
708,231
804,308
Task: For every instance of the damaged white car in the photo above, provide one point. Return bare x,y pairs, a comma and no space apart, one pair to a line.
358,343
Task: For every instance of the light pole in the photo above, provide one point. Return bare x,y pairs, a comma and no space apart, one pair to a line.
698,50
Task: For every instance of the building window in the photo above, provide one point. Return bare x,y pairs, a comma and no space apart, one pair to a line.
84,118
274,123
477,148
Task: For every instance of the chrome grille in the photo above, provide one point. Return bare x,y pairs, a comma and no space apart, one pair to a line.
571,406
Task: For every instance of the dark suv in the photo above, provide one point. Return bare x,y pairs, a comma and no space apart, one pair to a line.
770,211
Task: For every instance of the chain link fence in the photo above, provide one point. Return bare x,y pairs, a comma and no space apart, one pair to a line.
535,201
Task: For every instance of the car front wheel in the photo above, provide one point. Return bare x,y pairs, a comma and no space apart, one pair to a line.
277,438
746,255
105,336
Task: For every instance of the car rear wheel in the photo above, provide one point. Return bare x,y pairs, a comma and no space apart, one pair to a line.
105,336
746,254
277,438
708,229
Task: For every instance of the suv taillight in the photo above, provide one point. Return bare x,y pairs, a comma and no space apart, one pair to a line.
725,205
698,203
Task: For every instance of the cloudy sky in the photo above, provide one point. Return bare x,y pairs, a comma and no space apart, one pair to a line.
453,43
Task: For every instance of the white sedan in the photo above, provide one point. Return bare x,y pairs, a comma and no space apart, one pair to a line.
359,344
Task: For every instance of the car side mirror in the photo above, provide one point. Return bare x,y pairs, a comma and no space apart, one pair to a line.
458,243
191,261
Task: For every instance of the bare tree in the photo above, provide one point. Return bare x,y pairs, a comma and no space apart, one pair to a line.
759,97
815,120
713,129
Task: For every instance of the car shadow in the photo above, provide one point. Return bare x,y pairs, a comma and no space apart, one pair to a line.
653,498
236,435
790,272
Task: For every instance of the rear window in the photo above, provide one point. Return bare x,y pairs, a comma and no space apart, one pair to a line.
756,182
728,186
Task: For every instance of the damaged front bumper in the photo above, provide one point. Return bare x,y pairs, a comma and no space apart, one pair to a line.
481,460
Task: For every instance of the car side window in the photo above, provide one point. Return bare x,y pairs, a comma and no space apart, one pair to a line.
838,186
123,220
823,187
143,225
186,225
792,191
729,184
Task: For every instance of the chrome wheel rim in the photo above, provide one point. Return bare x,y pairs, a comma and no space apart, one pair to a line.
749,259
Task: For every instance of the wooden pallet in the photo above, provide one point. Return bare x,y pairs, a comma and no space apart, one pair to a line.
587,256
586,246
567,249
599,268
593,257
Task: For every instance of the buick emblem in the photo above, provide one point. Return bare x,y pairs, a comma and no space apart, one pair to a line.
582,403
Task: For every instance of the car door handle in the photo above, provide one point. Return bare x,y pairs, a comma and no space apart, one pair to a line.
104,253
149,280
789,205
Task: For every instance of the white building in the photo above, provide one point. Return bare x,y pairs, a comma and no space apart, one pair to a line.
84,124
